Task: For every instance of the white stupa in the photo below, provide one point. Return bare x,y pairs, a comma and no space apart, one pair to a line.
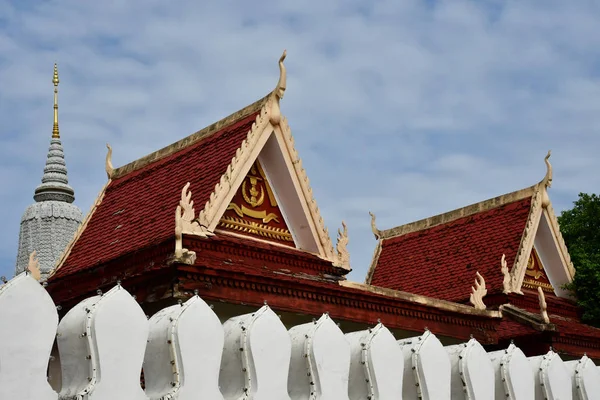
48,225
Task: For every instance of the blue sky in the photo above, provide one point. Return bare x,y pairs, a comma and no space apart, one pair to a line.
407,109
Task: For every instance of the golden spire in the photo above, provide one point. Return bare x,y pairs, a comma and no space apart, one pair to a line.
55,133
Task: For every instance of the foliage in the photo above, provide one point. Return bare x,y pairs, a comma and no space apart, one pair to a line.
580,227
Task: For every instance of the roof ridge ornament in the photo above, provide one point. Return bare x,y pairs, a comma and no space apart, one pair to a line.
543,305
478,292
547,181
278,93
376,232
108,165
507,280
342,256
186,222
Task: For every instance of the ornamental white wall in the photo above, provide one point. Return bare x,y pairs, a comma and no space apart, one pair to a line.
185,352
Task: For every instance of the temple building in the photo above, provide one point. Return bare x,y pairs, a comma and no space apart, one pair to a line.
48,225
228,213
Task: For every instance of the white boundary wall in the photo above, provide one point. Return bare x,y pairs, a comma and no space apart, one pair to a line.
186,353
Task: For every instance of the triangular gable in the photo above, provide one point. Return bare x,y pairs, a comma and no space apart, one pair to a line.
270,142
536,275
133,211
542,246
440,256
254,210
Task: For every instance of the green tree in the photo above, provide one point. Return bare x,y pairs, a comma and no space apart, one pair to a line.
580,227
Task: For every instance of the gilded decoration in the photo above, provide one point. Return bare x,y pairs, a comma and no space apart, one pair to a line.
535,274
254,209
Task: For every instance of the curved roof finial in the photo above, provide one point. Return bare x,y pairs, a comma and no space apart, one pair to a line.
546,182
108,166
55,132
376,232
277,94
548,178
281,84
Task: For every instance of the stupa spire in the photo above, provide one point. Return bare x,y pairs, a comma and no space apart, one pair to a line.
55,131
48,225
55,184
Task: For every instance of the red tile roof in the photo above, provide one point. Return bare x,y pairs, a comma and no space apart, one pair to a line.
573,327
441,261
255,259
510,329
138,208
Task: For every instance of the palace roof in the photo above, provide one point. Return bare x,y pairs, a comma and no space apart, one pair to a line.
439,256
508,242
135,209
256,234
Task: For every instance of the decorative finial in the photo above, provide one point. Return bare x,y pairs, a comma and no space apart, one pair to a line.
506,281
547,181
55,132
281,85
108,166
279,91
543,306
34,266
374,229
548,178
478,292
343,256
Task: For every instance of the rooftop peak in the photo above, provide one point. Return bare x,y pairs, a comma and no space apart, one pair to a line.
55,184
55,132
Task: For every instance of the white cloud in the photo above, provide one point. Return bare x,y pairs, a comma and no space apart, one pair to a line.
407,109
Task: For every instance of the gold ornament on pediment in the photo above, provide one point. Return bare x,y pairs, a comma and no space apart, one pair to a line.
535,269
250,204
255,196
535,274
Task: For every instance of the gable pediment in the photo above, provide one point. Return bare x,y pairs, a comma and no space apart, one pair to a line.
264,193
535,274
543,260
254,210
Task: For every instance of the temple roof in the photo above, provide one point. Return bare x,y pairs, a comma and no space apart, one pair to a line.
440,256
135,209
502,239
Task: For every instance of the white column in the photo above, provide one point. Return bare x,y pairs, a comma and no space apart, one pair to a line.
320,361
426,368
585,379
256,357
184,352
472,372
377,367
28,321
513,374
552,379
102,343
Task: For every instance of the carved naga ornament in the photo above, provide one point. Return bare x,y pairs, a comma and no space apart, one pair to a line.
342,256
376,232
478,292
543,306
278,93
186,222
506,280
547,181
108,165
